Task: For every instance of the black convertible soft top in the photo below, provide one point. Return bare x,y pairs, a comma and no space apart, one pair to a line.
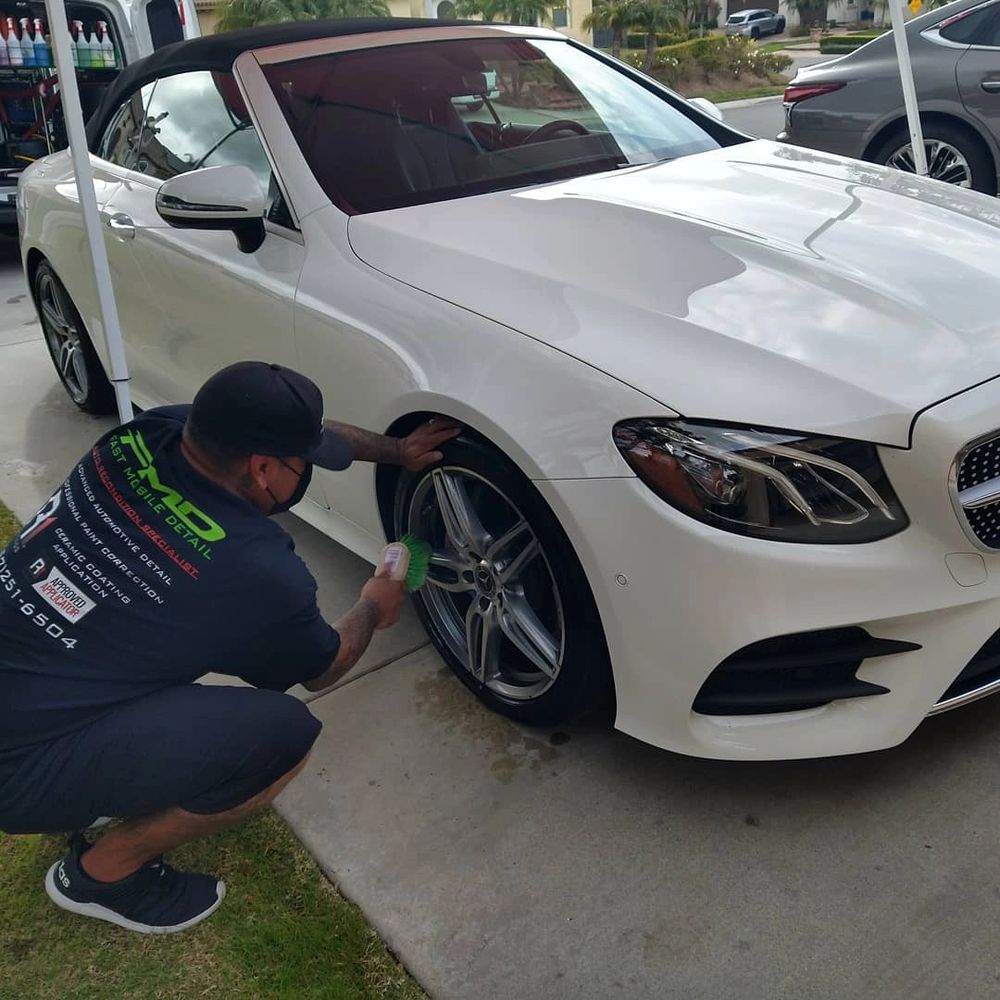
219,52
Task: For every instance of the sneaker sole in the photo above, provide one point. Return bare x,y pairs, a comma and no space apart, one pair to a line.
99,912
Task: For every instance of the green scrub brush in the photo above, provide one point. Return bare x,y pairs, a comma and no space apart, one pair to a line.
408,561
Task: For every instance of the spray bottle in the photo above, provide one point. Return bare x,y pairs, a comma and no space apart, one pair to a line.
27,44
75,30
43,54
107,48
15,57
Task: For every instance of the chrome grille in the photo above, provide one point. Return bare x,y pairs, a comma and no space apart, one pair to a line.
978,491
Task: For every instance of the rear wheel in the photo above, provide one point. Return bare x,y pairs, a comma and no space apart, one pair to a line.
755,33
70,347
506,601
953,156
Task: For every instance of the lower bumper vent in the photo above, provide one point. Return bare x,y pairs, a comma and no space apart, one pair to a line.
793,672
982,669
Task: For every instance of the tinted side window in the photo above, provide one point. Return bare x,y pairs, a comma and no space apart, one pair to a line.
197,120
121,139
979,28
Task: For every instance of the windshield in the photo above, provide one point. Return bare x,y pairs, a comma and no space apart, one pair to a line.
406,124
737,19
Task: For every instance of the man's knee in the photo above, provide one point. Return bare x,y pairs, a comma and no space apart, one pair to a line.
277,733
284,731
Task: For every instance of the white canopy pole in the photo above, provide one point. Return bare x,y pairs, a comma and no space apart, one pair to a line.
73,115
909,88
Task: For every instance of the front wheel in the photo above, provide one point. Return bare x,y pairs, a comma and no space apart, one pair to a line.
506,601
72,352
953,156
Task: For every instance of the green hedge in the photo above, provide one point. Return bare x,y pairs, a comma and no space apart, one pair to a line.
839,44
662,39
693,48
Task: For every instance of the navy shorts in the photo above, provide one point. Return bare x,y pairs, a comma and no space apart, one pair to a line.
205,749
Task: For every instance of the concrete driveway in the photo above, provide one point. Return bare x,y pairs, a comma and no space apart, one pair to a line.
508,864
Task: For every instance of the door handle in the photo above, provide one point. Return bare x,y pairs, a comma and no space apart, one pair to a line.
122,226
991,86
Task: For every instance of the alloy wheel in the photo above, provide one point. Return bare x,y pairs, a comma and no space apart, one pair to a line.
63,337
944,162
490,589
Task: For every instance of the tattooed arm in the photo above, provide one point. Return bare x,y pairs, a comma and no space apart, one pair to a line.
415,451
379,606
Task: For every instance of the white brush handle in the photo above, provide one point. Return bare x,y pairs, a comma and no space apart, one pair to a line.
396,561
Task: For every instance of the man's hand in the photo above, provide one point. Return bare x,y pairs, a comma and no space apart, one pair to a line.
387,596
420,448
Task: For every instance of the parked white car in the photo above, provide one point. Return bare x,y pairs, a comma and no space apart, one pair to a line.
755,23
732,406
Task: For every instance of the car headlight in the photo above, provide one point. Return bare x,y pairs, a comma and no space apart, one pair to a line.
780,485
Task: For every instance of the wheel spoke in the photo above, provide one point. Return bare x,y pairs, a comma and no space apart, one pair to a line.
513,550
461,523
447,571
50,313
66,353
56,299
79,369
483,640
521,625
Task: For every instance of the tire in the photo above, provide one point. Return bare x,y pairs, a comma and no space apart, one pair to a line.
755,33
780,27
70,347
551,584
894,151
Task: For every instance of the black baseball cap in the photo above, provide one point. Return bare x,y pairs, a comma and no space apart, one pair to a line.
257,408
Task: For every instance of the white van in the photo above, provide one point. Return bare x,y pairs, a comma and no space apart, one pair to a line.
31,124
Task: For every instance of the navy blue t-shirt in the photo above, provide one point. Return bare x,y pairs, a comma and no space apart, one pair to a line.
138,574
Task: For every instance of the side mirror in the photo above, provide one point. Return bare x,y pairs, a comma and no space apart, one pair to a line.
228,197
703,104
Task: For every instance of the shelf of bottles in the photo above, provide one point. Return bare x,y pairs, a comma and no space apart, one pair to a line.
26,48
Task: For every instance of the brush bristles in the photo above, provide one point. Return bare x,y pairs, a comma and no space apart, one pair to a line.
420,561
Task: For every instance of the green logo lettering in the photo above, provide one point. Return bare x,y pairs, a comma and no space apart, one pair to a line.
194,519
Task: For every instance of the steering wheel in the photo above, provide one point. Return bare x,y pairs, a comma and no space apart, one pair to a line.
550,129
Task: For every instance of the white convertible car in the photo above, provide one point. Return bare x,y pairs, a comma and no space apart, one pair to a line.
732,407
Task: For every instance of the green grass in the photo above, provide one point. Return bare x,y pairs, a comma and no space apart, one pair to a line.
793,43
282,932
8,525
748,93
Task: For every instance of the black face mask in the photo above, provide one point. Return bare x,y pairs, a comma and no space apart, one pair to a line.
300,491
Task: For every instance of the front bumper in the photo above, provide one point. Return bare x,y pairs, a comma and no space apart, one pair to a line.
678,597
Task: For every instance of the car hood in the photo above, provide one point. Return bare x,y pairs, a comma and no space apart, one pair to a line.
759,283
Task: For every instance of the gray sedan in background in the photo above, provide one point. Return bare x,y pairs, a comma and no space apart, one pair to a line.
854,105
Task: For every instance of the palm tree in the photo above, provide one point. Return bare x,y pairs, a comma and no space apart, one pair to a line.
613,15
810,11
651,17
249,13
528,12
488,10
